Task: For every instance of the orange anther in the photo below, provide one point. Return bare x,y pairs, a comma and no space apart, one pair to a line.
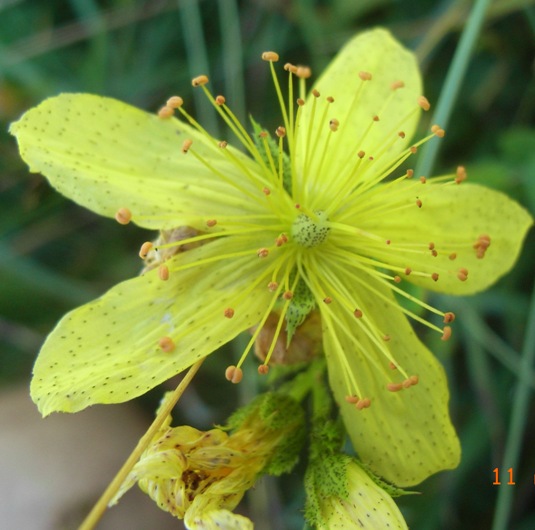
449,317
222,144
413,149
163,272
280,131
365,76
452,256
410,173
363,403
414,379
408,270
229,312
406,383
438,131
434,277
392,366
333,124
186,145
386,338
351,399
220,100
272,286
397,84
123,216
165,112
303,72
423,180
329,99
166,344
289,67
262,252
287,295
327,300
145,249
419,203
446,334
460,174
401,134
315,93
394,387
423,102
272,57
263,369
175,102
266,191
361,154
233,374
211,223
358,313
199,80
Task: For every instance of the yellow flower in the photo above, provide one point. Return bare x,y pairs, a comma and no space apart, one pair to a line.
201,476
323,227
341,495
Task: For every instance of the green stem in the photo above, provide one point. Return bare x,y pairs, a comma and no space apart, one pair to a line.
519,417
98,510
452,84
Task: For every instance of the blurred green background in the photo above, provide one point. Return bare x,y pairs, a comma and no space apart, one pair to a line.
55,255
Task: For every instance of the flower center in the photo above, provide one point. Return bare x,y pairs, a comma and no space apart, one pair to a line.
310,231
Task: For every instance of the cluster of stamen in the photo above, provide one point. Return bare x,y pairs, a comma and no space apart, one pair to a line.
311,226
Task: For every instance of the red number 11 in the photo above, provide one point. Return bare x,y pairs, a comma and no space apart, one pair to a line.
497,477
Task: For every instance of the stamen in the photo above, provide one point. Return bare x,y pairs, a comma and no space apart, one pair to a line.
423,102
273,286
165,112
163,272
461,175
287,295
363,403
303,72
145,249
447,333
263,369
233,374
438,131
262,252
462,274
123,216
365,76
449,317
222,144
352,400
334,124
289,67
272,57
394,387
229,312
358,313
220,100
166,344
397,85
186,145
280,132
315,93
211,223
175,102
199,80
327,300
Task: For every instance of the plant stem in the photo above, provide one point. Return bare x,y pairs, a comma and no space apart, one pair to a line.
98,510
519,417
452,84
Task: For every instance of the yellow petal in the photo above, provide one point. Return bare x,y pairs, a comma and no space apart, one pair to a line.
107,155
404,436
108,351
323,154
453,218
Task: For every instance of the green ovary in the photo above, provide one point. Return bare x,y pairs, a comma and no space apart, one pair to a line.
310,231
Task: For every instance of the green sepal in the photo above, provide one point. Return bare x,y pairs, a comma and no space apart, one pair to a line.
301,304
392,490
276,413
273,147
